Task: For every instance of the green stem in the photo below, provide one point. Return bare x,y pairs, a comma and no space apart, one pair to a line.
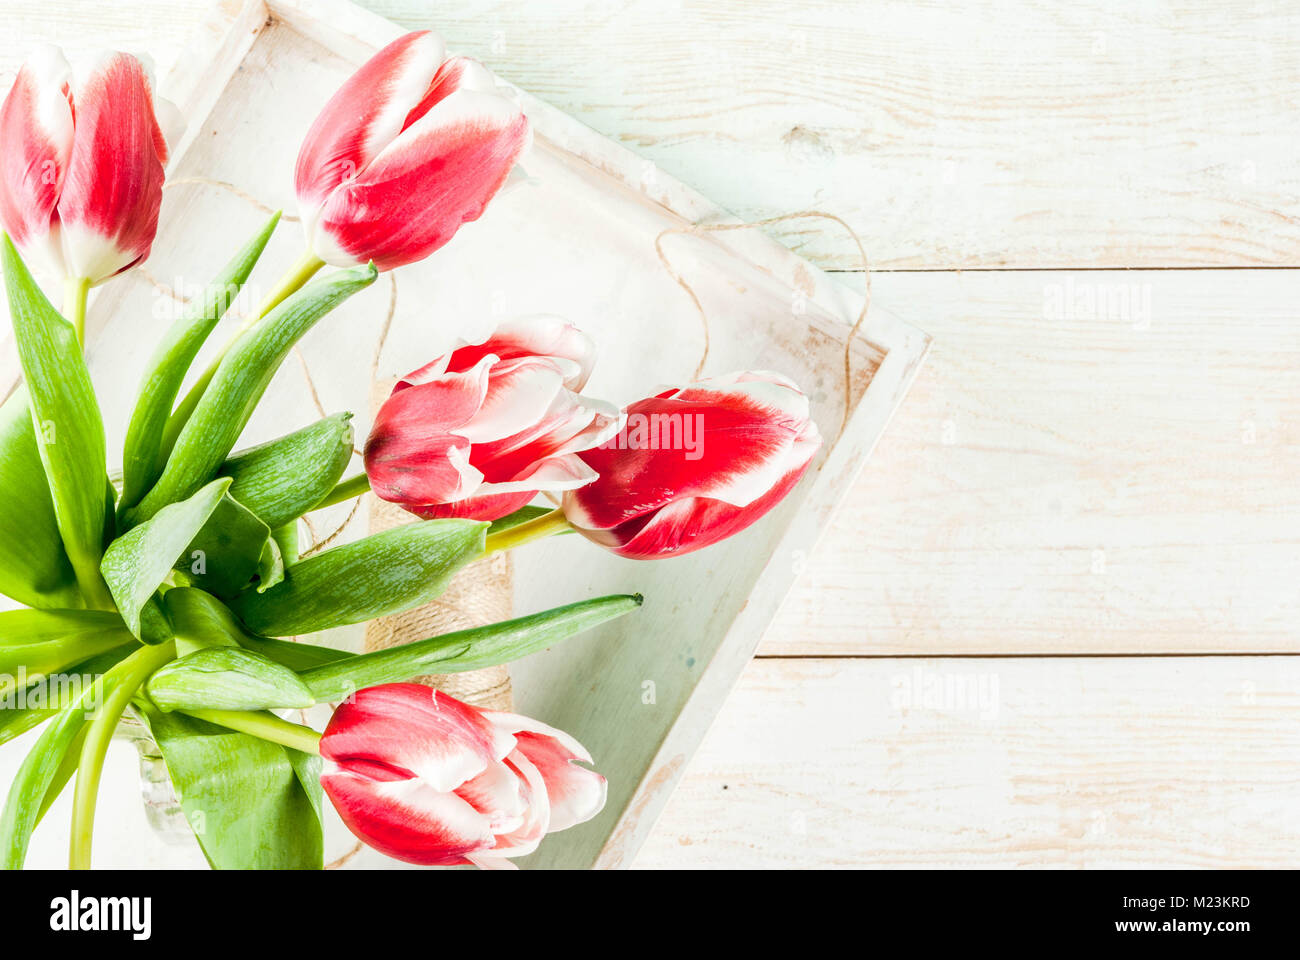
349,488
264,726
85,568
134,671
543,526
75,291
302,271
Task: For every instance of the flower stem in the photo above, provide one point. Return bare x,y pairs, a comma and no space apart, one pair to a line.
543,526
75,291
130,674
349,488
85,568
302,271
265,726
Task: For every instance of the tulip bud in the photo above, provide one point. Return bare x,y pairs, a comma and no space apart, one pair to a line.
479,432
425,778
81,171
694,465
411,146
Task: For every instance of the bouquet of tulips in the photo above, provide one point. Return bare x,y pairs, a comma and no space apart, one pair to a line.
174,590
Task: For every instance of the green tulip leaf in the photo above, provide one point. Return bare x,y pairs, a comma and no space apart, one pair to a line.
281,480
34,778
226,556
23,709
201,620
463,650
293,654
171,360
34,566
379,575
65,417
139,561
50,764
245,798
522,515
238,384
25,663
226,678
19,627
270,569
286,538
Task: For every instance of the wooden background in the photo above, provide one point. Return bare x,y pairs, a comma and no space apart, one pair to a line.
1056,621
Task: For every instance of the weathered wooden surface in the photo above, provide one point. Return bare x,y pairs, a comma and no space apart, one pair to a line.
1006,762
1119,478
1102,484
1021,134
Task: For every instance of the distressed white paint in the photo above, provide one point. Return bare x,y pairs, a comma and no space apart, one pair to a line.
1008,762
1090,480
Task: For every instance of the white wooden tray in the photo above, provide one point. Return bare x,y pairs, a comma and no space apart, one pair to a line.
576,238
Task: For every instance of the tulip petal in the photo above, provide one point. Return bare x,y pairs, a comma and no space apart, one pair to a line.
552,474
576,794
478,507
693,523
108,207
415,452
730,450
525,838
694,465
572,424
365,115
36,129
438,174
517,391
409,726
539,336
499,795
408,820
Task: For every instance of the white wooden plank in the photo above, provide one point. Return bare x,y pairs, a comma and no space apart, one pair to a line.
983,134
994,134
1066,480
1160,762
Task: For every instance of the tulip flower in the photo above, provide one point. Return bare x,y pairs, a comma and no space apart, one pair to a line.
480,431
412,146
694,465
424,778
81,169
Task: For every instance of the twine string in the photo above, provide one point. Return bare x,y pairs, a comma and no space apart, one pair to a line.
696,229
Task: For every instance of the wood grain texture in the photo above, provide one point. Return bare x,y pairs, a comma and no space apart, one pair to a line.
1021,134
993,134
1095,762
985,134
1075,479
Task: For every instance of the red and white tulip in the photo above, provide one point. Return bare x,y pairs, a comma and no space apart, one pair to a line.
425,778
412,146
81,165
480,431
694,465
